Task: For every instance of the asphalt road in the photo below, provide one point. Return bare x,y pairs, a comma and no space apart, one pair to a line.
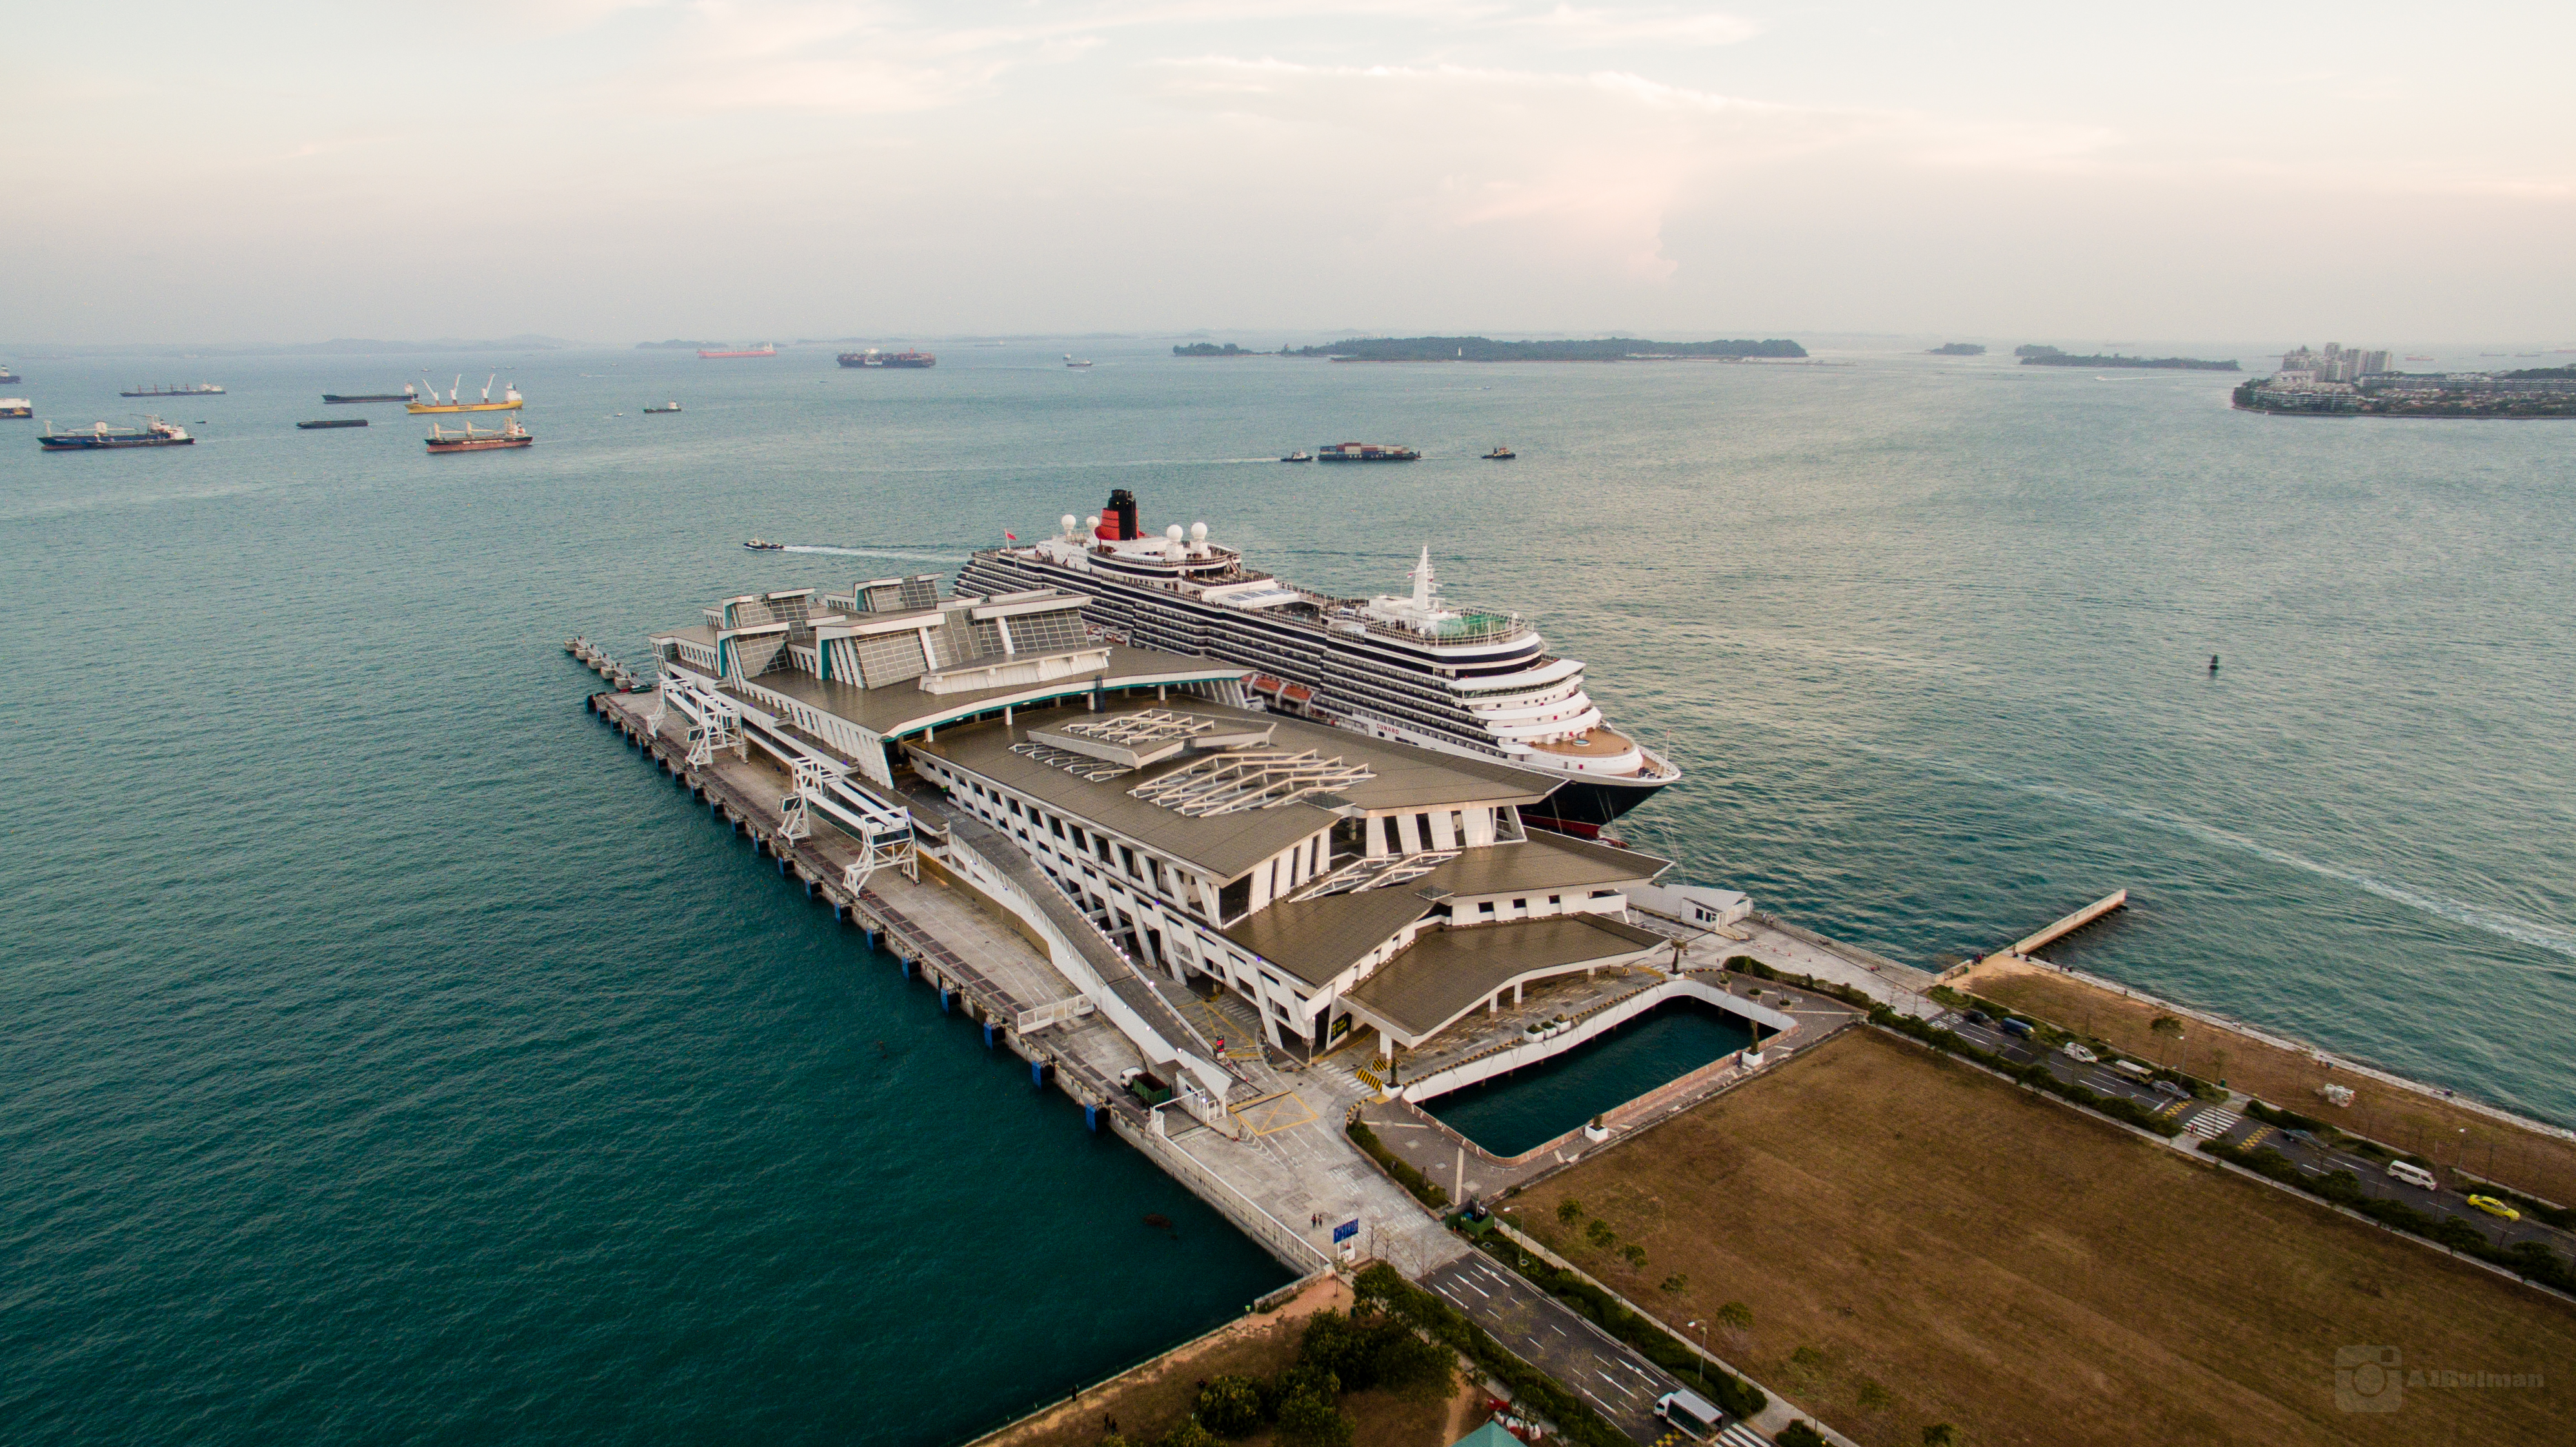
2229,1123
1544,1333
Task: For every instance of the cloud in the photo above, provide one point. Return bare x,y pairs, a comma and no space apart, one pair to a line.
1592,29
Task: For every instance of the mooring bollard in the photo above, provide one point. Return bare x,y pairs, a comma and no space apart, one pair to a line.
988,1034
907,966
1091,1118
944,995
1037,1072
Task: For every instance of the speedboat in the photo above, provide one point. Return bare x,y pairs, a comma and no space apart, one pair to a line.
1300,455
759,545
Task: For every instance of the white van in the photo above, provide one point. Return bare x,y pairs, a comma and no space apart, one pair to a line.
2413,1175
1690,1413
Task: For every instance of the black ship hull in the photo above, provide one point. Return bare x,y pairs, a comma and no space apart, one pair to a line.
334,397
1584,808
333,422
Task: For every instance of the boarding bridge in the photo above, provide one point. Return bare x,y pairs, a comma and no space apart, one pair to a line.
882,832
715,721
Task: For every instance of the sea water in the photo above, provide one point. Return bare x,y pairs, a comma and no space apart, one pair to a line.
392,1055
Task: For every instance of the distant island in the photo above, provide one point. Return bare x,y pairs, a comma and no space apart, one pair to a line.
1486,349
2352,383
678,344
1958,349
1211,349
2039,356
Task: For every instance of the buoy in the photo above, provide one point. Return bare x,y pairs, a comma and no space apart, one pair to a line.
2213,663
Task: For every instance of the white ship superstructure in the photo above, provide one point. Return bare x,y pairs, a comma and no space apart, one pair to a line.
1406,667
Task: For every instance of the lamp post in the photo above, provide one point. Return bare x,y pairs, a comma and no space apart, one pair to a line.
1702,1328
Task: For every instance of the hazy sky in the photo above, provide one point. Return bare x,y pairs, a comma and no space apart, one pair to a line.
609,170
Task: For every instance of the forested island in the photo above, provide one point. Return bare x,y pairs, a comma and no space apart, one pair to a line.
1211,349
1486,349
1958,349
2039,356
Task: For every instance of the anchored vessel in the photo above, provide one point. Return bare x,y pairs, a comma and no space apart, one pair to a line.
8,376
16,407
874,358
510,399
1367,452
471,440
1408,667
163,389
334,422
651,411
408,393
765,349
153,433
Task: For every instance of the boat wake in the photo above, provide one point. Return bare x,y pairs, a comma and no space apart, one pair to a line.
841,552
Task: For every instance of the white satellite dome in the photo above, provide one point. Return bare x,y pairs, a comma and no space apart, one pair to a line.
1172,534
1091,524
1198,532
1068,522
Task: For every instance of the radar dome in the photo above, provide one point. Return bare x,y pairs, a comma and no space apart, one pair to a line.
1068,522
1172,534
1198,532
1092,523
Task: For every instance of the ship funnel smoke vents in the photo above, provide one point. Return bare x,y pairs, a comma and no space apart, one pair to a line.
1423,592
1121,514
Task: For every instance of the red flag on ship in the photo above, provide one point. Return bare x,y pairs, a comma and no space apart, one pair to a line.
1014,537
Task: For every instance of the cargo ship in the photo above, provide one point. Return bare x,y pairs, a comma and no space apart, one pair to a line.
153,433
407,394
510,399
651,411
9,376
765,349
16,407
1407,667
874,358
470,440
1367,452
332,422
193,389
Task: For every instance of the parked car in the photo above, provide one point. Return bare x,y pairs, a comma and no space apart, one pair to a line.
2080,1054
2017,1029
2167,1087
2494,1207
1977,1017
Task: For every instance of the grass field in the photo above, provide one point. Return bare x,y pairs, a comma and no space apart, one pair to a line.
1919,1242
2544,1166
1149,1401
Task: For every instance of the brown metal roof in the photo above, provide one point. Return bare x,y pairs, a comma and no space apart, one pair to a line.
1449,972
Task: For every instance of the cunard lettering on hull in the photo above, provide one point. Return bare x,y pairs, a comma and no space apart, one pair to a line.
1407,667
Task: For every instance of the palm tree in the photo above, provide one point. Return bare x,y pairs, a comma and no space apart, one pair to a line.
2166,1025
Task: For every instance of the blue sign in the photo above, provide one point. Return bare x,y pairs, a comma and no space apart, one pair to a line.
1346,1231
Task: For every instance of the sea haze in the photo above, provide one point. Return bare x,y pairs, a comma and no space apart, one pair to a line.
392,1055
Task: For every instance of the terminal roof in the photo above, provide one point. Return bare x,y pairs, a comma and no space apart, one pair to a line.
1448,972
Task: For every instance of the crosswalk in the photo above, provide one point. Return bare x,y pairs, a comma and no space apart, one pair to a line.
1734,1434
2214,1122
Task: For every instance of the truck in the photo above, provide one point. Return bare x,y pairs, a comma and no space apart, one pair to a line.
1690,1413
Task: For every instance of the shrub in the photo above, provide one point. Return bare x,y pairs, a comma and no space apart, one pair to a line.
1677,1283
1874,1397
1800,1434
1599,1232
1636,1255
1187,1433
1940,1434
1735,1316
1230,1406
1569,1211
1310,1420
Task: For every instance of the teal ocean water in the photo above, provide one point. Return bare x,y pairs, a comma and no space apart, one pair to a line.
392,1056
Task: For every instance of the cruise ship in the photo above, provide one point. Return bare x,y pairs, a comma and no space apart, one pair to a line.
1406,667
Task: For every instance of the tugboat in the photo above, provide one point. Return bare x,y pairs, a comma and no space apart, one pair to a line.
762,545
513,435
16,407
164,389
510,399
1500,454
1300,455
1367,452
153,433
651,411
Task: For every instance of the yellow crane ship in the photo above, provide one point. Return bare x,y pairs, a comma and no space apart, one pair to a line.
510,399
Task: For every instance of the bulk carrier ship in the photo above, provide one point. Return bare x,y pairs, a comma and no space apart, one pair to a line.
1407,667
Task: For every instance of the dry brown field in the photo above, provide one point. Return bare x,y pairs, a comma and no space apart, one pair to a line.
1152,1399
1920,1242
2544,1166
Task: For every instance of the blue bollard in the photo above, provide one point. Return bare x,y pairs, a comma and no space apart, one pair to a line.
1091,1118
1037,1072
782,863
872,939
906,964
944,994
988,1034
